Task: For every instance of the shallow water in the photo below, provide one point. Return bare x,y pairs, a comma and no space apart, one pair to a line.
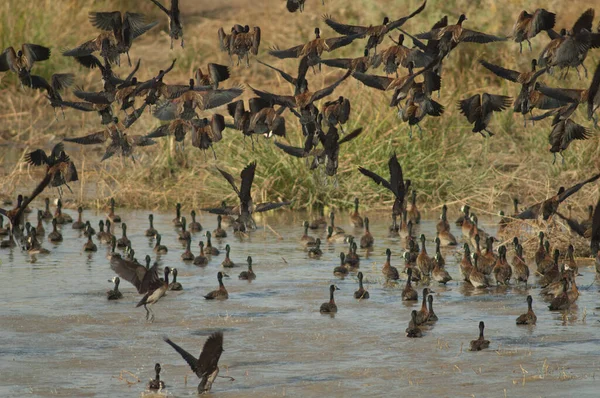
62,337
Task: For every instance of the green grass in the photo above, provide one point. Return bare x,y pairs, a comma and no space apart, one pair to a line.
448,164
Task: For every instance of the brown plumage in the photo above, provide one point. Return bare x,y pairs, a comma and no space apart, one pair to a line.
478,110
528,318
529,25
481,343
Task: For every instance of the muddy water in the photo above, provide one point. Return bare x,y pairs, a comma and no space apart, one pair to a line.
60,336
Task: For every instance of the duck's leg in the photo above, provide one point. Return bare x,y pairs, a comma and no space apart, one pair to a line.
152,315
584,70
410,132
578,74
182,42
488,131
520,48
554,158
171,42
214,153
530,49
147,312
420,131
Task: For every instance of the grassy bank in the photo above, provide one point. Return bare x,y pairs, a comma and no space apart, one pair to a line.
448,164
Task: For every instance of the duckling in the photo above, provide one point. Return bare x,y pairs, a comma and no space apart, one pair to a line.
176,286
114,294
502,271
520,268
158,248
79,224
336,230
336,238
306,238
90,246
439,273
329,307
123,241
46,215
432,316
361,293
481,343
111,214
413,330
219,232
103,236
443,224
465,266
184,234
248,275
528,318
157,383
341,270
227,263
194,226
210,250
315,252
321,221
40,226
424,262
408,293
366,241
177,219
394,227
151,231
476,277
414,214
423,313
55,236
561,302
201,259
187,255
220,293
88,230
355,218
388,270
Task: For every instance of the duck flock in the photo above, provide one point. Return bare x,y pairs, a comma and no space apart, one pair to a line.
410,74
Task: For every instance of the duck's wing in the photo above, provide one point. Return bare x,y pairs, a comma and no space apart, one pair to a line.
568,192
349,137
470,107
375,177
399,22
36,82
165,111
230,180
218,73
494,103
285,100
378,82
60,81
215,98
584,21
324,92
344,29
341,41
102,97
99,137
261,207
595,238
210,355
86,48
343,63
292,52
7,60
594,92
292,150
561,94
133,272
36,158
499,71
189,358
163,8
574,131
542,20
396,177
287,77
247,176
35,52
472,36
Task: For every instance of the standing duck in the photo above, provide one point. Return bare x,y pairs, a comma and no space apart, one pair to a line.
220,293
321,221
528,318
432,316
248,275
153,296
476,277
439,273
47,214
366,241
306,238
40,226
361,293
55,236
90,246
520,268
329,307
424,262
315,251
184,234
502,271
481,343
103,236
465,266
423,313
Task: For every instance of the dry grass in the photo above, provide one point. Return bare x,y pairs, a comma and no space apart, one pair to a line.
449,164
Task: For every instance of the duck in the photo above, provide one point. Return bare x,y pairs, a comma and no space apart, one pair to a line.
439,273
570,259
443,224
103,236
529,25
306,238
320,221
220,293
465,222
176,286
481,343
332,237
424,262
88,230
34,246
206,366
478,110
184,234
10,242
201,259
394,227
361,293
108,225
187,255
410,262
408,293
55,236
414,214
47,214
61,218
466,266
3,231
552,273
210,249
248,275
194,226
528,318
336,230
520,268
476,277
40,230
432,316
151,231
79,224
423,313
502,271
446,238
154,295
90,246
413,331
114,294
540,253
355,219
389,271
177,219
367,240
341,270
219,232
158,247
561,302
352,258
315,252
329,307
156,383
227,263
440,259
111,214
123,241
